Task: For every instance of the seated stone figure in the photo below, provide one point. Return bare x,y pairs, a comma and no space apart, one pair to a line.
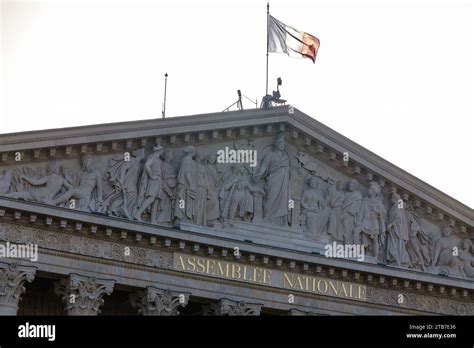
466,258
50,186
90,180
444,256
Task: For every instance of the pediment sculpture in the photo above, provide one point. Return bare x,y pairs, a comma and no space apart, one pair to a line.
288,189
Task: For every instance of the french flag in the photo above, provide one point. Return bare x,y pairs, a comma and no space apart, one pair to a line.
295,43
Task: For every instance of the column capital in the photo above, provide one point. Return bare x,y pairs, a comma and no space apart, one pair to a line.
82,295
12,278
153,301
232,308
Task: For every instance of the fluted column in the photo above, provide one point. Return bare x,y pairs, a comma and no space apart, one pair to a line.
12,278
82,295
153,301
232,308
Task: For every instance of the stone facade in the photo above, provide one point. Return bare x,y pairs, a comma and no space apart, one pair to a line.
123,200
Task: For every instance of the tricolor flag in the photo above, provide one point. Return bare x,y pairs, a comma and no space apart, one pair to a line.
285,39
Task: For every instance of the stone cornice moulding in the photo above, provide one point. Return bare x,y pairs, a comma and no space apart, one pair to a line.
141,128
189,239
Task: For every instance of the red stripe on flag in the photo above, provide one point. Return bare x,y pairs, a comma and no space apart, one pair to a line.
310,46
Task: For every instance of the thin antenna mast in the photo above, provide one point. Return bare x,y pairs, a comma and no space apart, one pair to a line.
164,102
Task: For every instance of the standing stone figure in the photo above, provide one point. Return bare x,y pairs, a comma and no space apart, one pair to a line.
296,190
90,179
214,178
335,201
201,214
351,211
187,187
51,185
419,244
313,212
275,168
444,258
240,196
168,194
151,184
123,175
397,233
370,231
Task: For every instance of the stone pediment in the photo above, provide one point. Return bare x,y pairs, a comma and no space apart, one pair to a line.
309,187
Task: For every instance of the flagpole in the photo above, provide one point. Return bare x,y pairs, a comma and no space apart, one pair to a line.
268,22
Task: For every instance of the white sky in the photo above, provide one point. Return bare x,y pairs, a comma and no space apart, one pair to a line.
395,77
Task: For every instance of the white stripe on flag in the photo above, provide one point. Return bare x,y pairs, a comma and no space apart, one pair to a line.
295,43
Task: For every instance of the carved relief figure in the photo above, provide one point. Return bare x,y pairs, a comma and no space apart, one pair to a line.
444,258
51,185
419,244
168,194
201,213
336,198
187,187
151,184
312,204
351,211
5,181
239,197
198,192
123,176
297,184
370,231
214,178
90,180
467,259
310,164
275,169
397,233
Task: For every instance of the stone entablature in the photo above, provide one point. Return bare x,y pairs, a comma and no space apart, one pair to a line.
383,286
153,246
